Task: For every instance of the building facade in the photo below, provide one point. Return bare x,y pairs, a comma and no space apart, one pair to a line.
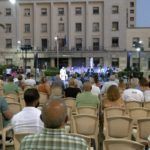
67,32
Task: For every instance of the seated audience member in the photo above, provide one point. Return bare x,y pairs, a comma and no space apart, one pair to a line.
95,89
108,84
72,90
28,120
113,98
133,93
78,81
144,86
4,110
86,98
56,92
58,82
21,82
121,85
30,81
53,136
10,87
44,86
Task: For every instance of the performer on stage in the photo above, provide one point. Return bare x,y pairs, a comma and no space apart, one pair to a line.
63,74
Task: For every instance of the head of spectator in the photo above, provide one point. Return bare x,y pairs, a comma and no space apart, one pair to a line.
113,93
112,78
20,77
31,97
122,85
144,85
54,114
43,79
134,83
10,79
87,86
72,83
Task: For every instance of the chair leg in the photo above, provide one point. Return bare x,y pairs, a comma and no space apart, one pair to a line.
4,140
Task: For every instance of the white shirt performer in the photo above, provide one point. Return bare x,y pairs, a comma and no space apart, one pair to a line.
63,74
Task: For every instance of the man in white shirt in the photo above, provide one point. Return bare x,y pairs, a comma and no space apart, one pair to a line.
133,93
28,120
30,81
108,84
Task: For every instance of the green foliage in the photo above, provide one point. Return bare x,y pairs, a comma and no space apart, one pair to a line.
51,72
2,69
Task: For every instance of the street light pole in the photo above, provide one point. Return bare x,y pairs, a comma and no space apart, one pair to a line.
57,50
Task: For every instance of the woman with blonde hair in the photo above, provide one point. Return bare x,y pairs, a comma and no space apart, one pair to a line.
113,98
72,90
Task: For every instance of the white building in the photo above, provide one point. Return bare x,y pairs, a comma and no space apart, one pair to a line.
84,29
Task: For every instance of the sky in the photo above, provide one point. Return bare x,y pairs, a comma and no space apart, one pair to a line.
143,13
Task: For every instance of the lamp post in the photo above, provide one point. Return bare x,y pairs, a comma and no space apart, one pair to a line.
57,50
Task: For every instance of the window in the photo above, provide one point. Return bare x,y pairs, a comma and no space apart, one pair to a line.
115,62
60,11
78,44
132,11
149,42
8,28
9,61
27,41
95,27
95,10
115,41
27,28
27,12
61,27
149,64
135,40
43,27
131,4
135,63
78,27
95,44
44,11
62,43
44,44
115,9
8,43
131,18
78,11
8,11
115,26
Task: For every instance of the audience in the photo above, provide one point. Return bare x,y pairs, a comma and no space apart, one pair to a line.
53,136
72,90
10,87
44,86
4,110
86,98
113,98
28,120
56,92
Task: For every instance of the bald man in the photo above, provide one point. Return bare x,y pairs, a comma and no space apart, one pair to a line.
53,137
86,98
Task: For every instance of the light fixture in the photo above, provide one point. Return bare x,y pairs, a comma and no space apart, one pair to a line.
12,1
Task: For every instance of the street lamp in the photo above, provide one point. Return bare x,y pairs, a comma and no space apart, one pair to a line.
57,50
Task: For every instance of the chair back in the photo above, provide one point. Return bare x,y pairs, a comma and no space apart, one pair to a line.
114,111
147,105
85,124
71,103
143,126
1,122
43,98
14,107
17,139
138,113
14,96
117,144
87,110
132,104
119,122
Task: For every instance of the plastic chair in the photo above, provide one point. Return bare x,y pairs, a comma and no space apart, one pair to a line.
147,105
71,103
132,104
87,125
119,122
122,144
14,107
43,98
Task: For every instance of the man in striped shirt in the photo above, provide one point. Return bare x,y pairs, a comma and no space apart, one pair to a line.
53,137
